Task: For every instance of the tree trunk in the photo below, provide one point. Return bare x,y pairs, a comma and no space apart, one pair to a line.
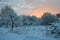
12,23
12,26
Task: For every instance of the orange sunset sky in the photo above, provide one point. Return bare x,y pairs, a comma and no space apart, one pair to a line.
40,11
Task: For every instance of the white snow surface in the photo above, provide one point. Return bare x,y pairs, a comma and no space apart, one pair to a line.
25,33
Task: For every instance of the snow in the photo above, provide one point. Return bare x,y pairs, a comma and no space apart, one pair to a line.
3,30
25,33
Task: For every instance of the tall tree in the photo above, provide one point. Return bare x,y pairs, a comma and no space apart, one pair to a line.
48,18
9,15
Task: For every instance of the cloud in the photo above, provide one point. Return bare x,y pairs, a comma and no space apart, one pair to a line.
44,3
18,5
25,6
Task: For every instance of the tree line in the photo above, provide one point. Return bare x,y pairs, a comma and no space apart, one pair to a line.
9,18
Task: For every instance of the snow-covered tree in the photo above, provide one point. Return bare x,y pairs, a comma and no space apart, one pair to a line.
9,16
28,20
48,18
33,20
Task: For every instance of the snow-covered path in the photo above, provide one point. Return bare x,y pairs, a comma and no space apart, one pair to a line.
11,36
33,38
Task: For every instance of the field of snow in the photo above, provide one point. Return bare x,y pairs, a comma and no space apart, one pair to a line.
25,33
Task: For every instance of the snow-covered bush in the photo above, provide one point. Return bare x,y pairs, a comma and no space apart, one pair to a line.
54,29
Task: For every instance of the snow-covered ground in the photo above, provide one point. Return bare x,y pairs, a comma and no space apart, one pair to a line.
25,33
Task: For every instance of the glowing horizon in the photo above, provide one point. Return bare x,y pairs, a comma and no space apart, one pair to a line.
39,12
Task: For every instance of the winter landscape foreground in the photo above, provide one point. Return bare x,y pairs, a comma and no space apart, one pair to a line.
28,33
14,27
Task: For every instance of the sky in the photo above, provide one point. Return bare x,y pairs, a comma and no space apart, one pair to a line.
32,7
